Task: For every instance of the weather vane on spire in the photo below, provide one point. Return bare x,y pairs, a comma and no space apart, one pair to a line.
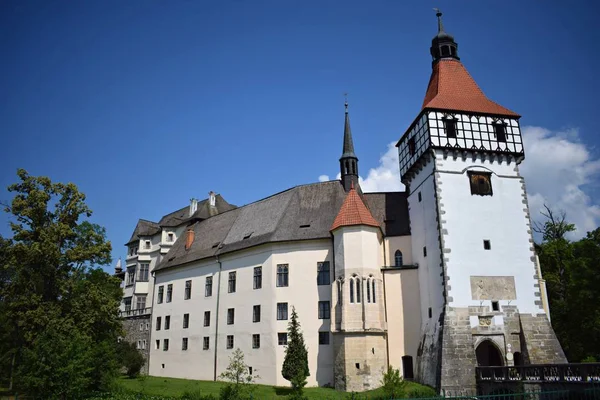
438,14
346,101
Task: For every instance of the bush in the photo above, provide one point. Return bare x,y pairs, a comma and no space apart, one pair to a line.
393,384
421,392
130,358
197,395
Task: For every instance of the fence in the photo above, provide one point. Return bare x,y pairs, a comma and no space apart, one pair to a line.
566,393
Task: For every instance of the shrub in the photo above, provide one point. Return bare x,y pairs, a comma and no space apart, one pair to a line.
131,358
421,392
393,384
197,395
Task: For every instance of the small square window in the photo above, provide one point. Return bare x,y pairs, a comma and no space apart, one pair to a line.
487,245
184,343
495,306
230,341
169,237
147,245
282,338
357,365
256,341
324,338
206,343
481,183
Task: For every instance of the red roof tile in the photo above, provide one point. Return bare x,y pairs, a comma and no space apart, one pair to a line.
451,87
353,212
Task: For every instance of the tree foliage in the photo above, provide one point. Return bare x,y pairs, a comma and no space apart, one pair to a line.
392,383
295,364
130,358
58,312
238,374
572,273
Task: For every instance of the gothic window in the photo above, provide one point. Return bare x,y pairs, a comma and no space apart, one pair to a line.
358,284
368,290
373,291
450,126
500,131
351,290
398,258
481,183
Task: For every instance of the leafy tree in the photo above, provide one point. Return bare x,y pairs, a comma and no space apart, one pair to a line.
295,364
238,373
130,358
58,312
392,384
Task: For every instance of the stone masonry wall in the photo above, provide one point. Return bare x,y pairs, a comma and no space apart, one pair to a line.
458,353
541,345
361,361
134,334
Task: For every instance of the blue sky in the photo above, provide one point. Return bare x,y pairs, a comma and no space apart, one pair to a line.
145,104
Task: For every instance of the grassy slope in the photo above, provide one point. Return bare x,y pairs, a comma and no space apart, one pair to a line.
176,387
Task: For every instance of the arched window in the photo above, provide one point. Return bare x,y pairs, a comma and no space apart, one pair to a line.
358,282
351,290
373,283
368,291
398,258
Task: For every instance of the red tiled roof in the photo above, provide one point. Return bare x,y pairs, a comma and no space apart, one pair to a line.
451,87
353,212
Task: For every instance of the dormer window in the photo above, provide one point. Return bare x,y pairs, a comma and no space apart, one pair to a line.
147,245
481,183
500,131
170,237
450,127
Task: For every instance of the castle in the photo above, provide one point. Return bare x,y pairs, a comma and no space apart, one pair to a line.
434,281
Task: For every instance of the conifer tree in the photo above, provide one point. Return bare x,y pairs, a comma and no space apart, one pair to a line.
295,364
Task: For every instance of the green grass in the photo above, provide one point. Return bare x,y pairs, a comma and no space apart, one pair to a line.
155,386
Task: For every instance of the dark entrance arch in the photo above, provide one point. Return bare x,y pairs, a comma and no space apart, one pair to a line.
488,355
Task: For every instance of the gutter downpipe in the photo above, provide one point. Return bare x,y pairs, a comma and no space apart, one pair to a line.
217,316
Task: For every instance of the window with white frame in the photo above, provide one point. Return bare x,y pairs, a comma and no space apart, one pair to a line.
140,302
127,303
169,292
324,310
232,282
143,272
282,311
208,287
257,278
188,290
282,275
130,276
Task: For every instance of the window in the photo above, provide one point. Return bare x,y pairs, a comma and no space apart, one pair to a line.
206,343
206,318
139,345
450,126
500,131
481,183
358,285
144,344
157,344
167,322
143,273
250,370
184,343
419,196
158,321
424,251
147,326
230,341
323,273
257,277
430,313
282,275
323,337
170,237
368,290
495,306
230,316
487,245
256,313
135,250
351,290
127,302
208,287
130,276
140,302
398,258
186,321
373,287
231,287
165,344
159,298
147,245
324,309
282,311
169,292
411,146
131,251
256,341
188,290
282,338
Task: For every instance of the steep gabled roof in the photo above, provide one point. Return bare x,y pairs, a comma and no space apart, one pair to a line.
353,212
143,228
182,215
452,88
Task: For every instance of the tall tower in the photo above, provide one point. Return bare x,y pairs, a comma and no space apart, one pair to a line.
481,302
348,161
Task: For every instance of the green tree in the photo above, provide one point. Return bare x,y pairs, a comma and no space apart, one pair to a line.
238,374
58,311
130,358
295,364
392,384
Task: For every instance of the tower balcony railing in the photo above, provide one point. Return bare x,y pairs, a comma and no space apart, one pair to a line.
541,373
137,312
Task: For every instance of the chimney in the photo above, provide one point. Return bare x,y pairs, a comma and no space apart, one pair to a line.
189,239
193,206
212,204
118,268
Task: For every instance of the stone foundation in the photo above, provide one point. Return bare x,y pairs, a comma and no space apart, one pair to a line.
360,360
133,334
458,352
541,345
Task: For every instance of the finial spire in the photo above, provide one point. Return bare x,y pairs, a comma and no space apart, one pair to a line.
443,45
346,102
438,14
348,161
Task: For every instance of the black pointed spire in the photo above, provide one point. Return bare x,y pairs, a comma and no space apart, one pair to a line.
348,161
443,44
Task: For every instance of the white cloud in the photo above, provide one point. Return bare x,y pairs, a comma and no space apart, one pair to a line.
557,168
323,178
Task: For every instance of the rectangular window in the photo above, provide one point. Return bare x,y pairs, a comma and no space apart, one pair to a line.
147,245
411,146
127,302
424,251
323,337
188,290
144,344
282,338
323,273
169,237
167,322
256,313
140,302
208,287
230,316
186,321
157,344
165,344
450,126
282,275
184,343
256,341
130,276
230,341
143,273
324,310
257,277
158,321
282,311
420,197
231,285
500,131
481,183
487,245
161,291
206,318
206,343
169,292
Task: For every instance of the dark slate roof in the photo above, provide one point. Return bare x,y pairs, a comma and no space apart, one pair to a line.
300,213
391,210
203,212
143,228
